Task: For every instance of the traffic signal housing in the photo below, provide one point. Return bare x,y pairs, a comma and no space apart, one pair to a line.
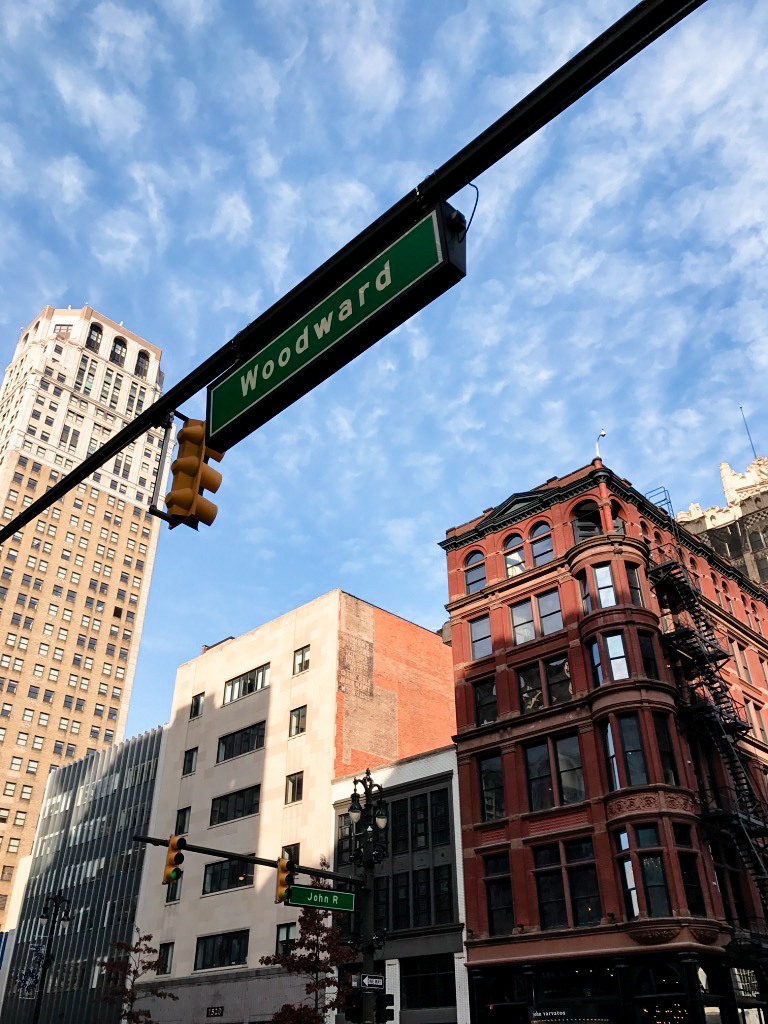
191,475
385,1007
353,1006
173,859
285,869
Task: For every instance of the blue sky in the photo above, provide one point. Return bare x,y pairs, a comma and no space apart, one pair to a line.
181,164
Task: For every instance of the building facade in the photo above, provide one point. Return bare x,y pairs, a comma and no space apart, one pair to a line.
418,887
739,531
73,583
84,850
611,686
260,727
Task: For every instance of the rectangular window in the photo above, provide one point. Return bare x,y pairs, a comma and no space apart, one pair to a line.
480,637
241,742
550,618
569,770
227,874
632,748
401,909
164,958
539,774
689,870
567,889
294,787
485,701
285,938
196,705
381,903
298,721
440,817
522,622
422,910
635,588
491,788
301,660
606,595
442,880
565,753
235,805
648,654
399,826
498,891
617,661
224,950
182,821
190,761
248,682
666,750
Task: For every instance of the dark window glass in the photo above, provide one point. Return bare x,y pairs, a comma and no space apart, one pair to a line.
298,721
240,742
531,695
540,792
571,777
485,702
492,788
648,654
551,896
182,821
399,826
586,599
689,869
634,758
635,588
419,822
443,893
227,874
595,664
558,673
441,824
196,706
164,958
381,903
285,938
190,761
401,911
498,887
427,982
522,622
654,882
666,752
541,544
235,805
586,521
480,636
294,787
422,916
474,572
224,950
301,660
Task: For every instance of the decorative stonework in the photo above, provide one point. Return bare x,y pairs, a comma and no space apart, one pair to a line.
680,802
654,935
624,805
496,835
705,934
537,827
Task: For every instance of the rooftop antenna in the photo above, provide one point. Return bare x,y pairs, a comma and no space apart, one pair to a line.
747,430
597,443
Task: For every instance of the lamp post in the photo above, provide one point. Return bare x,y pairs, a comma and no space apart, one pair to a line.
368,850
56,908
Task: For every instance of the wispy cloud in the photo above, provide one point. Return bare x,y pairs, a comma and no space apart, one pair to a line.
116,117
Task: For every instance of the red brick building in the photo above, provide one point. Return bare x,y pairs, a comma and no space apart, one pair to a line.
611,674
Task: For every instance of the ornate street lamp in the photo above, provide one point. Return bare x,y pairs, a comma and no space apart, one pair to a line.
367,850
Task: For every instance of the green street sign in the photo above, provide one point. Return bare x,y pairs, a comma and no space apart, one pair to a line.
406,275
326,899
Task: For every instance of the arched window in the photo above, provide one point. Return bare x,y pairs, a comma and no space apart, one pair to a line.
541,544
142,364
617,516
695,574
26,338
93,341
586,521
37,325
119,348
474,572
514,554
657,553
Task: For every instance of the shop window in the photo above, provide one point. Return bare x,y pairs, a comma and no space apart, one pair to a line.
427,981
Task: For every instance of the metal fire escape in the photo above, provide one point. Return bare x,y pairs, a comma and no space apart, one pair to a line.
742,812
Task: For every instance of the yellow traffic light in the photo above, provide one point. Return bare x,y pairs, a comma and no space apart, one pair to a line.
174,857
285,869
191,476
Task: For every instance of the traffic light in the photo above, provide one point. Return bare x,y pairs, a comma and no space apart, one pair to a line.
173,858
285,869
191,476
385,1007
353,1006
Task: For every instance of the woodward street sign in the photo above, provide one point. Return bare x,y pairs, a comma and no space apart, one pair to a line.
406,275
303,896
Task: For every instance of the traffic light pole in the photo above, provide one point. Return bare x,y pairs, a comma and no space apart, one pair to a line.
600,58
299,869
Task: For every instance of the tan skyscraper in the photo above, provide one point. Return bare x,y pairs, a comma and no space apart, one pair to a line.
74,582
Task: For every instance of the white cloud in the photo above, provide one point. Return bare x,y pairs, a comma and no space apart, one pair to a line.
22,18
13,170
119,240
191,14
232,219
116,117
125,42
68,179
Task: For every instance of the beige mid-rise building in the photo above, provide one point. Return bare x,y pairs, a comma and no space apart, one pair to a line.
73,582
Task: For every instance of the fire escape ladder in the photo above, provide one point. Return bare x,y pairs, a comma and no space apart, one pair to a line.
689,634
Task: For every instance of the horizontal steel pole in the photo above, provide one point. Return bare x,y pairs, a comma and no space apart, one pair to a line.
300,869
618,44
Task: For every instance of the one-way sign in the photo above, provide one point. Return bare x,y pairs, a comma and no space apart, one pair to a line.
371,981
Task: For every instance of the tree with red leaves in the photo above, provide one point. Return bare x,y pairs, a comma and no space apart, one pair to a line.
128,965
